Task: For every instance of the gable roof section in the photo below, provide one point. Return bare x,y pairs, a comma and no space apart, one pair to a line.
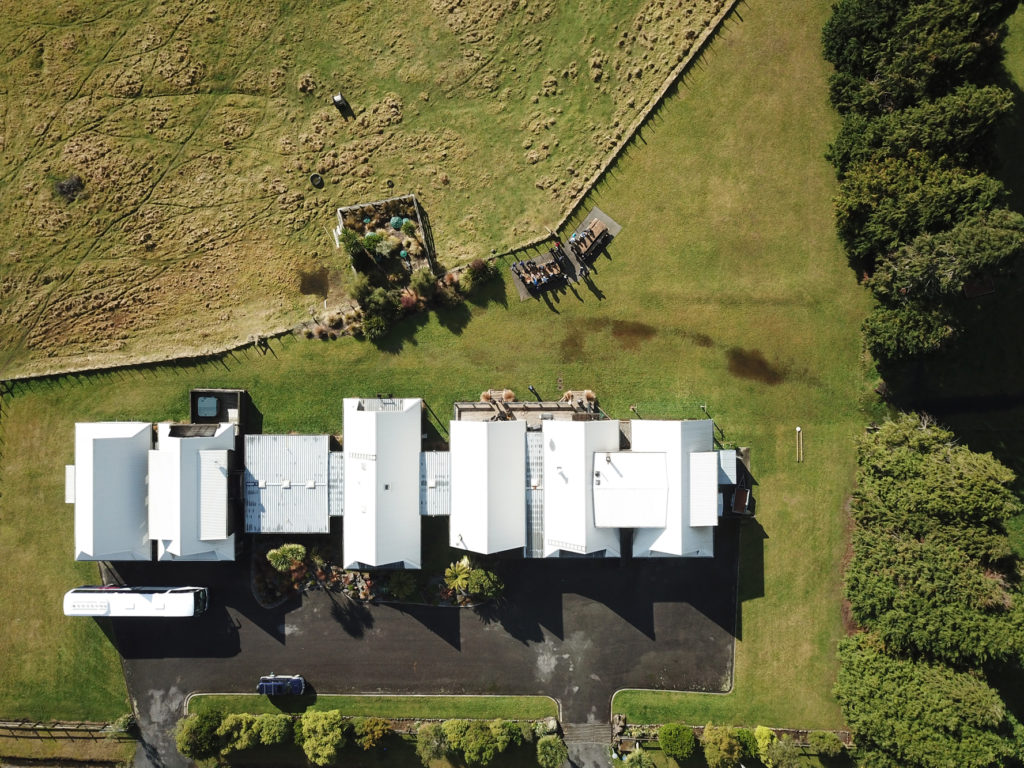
488,468
569,448
630,489
110,490
382,482
188,480
677,439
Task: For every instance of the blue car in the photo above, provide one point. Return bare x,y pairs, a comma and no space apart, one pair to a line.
281,685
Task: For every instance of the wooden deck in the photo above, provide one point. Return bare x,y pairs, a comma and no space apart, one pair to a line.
602,227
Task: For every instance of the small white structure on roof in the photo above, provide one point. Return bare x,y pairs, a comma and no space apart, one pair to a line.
569,449
692,510
107,485
188,492
287,484
488,478
630,490
382,482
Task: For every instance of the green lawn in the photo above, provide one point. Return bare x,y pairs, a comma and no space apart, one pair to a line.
410,707
726,287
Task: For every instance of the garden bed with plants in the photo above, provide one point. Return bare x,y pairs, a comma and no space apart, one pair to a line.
279,573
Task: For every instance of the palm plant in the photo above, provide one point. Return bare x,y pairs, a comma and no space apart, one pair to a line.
456,576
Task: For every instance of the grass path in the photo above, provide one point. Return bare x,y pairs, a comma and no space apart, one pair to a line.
726,288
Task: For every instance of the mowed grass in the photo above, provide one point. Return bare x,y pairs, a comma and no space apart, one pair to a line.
397,707
726,288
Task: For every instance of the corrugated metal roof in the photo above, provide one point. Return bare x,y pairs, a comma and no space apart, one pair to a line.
213,495
286,484
336,484
435,483
535,494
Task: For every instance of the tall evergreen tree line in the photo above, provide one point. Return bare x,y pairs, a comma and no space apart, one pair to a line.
934,586
920,215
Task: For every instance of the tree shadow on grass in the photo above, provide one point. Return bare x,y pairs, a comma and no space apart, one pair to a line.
402,332
295,705
1009,167
454,319
981,370
494,291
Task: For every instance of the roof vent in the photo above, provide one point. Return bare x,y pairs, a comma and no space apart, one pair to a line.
286,483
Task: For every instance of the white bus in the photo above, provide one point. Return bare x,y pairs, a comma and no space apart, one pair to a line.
136,601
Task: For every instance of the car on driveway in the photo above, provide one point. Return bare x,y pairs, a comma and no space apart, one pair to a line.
281,685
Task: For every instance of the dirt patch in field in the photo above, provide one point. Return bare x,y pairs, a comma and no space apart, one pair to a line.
630,333
571,348
751,364
314,282
700,339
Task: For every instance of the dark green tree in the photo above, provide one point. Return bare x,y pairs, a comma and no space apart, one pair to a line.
936,267
722,747
676,741
551,752
370,730
324,734
914,713
430,743
273,729
958,126
639,758
883,205
507,733
825,743
196,735
783,753
930,48
916,480
856,31
359,257
478,743
484,584
928,598
380,310
238,731
455,732
907,331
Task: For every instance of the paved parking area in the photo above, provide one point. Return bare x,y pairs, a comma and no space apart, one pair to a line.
577,630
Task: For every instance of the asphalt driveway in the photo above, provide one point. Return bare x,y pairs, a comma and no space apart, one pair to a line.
576,630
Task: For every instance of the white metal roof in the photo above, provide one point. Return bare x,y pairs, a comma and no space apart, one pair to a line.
286,484
382,482
677,439
336,484
177,494
703,489
488,464
630,490
435,483
109,493
213,498
727,472
569,448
